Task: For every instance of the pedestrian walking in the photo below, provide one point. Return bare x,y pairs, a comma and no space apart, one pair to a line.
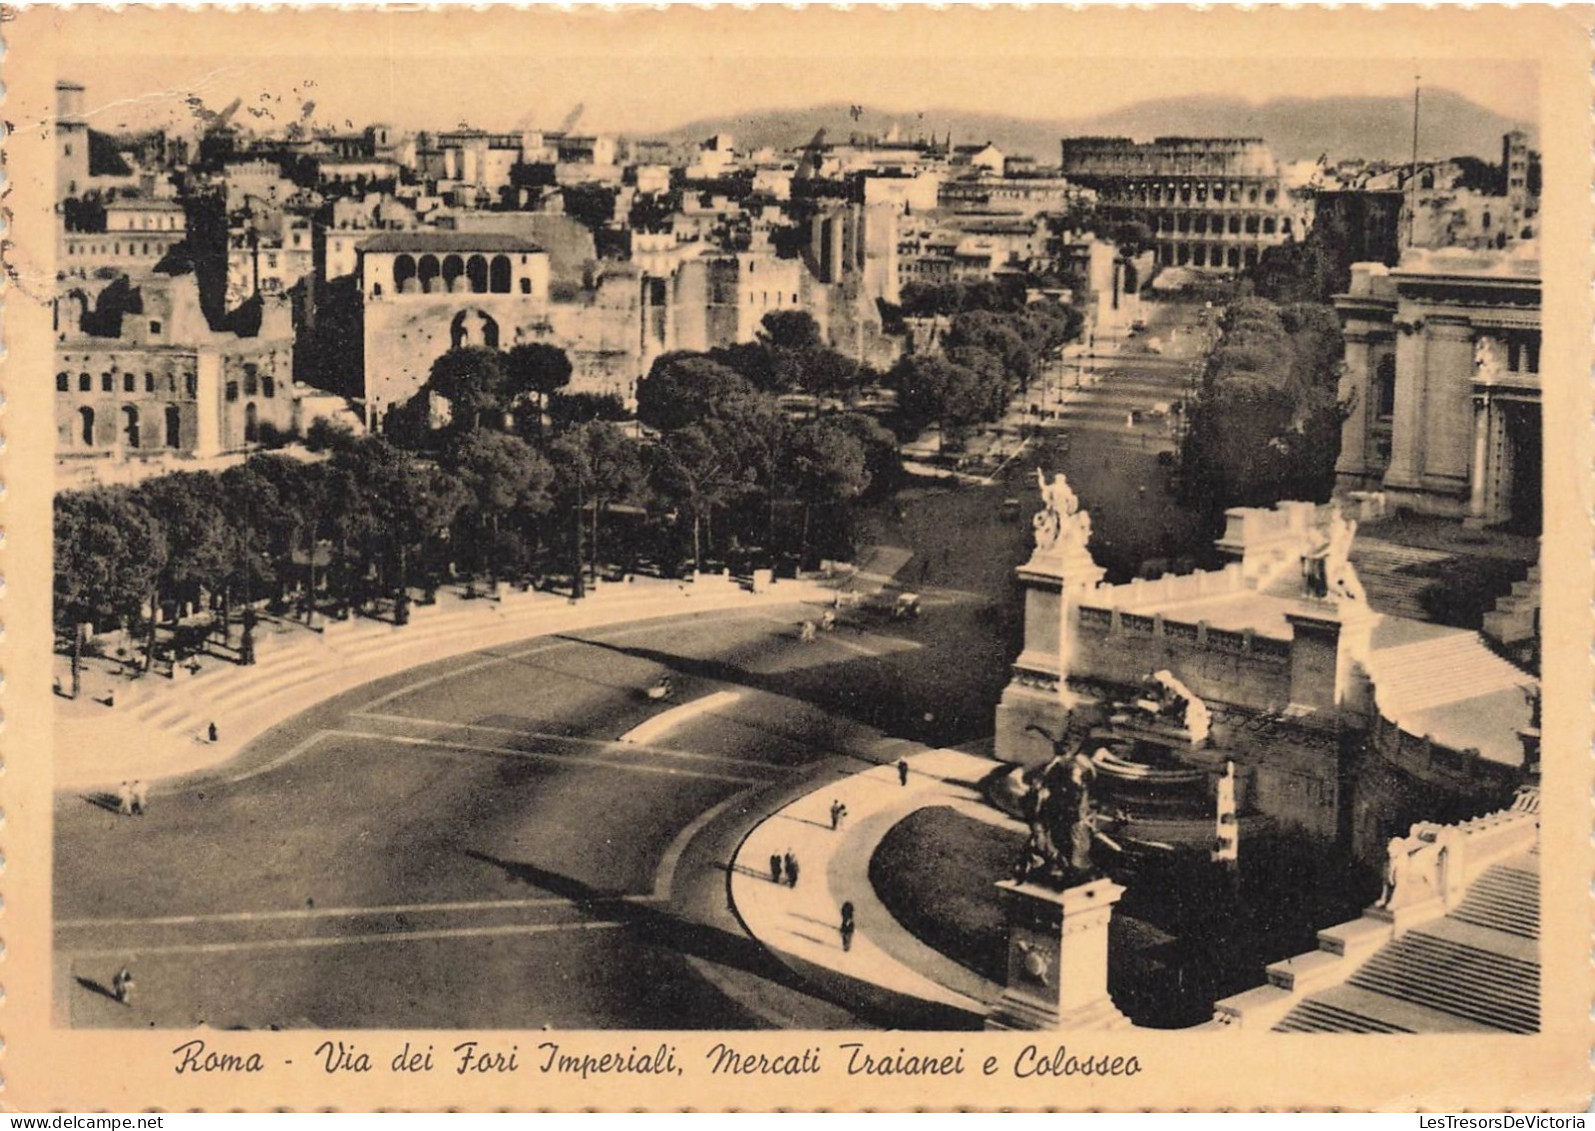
791,869
902,771
124,799
141,797
122,986
848,926
211,732
775,867
838,811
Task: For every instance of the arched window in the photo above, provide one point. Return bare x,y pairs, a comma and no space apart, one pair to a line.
130,426
174,426
403,271
63,382
1385,387
251,423
453,268
500,271
476,272
85,383
427,272
86,426
1268,225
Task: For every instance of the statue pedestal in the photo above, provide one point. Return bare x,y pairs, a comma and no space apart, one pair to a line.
1035,695
1058,958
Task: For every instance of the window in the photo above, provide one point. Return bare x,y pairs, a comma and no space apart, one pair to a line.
149,382
129,383
526,286
232,390
107,383
268,386
85,383
191,384
86,426
251,381
1385,388
155,327
63,382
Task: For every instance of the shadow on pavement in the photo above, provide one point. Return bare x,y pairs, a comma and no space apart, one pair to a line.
655,926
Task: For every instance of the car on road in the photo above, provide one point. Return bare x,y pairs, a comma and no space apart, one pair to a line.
1008,509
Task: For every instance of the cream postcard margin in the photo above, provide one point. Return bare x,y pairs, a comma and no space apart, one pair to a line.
50,1067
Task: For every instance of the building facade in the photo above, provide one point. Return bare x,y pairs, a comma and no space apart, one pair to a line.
1215,203
1443,383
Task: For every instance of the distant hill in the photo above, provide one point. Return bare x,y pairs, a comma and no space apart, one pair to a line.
1297,128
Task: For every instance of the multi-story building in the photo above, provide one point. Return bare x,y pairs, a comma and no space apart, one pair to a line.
137,235
1443,378
142,375
1215,203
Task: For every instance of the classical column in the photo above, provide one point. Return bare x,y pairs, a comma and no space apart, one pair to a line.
1478,478
1355,389
1407,432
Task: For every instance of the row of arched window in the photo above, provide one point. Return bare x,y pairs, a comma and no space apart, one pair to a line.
1199,191
130,383
1200,223
131,428
455,274
255,383
1201,255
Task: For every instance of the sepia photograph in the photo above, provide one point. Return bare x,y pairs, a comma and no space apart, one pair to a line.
628,532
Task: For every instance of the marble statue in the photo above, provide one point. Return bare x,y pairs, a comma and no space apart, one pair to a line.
1057,808
1060,519
1489,358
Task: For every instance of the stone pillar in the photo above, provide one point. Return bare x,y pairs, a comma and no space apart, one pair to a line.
1355,389
1447,415
1479,477
209,407
1057,958
1407,434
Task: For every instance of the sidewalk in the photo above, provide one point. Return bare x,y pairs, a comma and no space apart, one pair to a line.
157,727
887,970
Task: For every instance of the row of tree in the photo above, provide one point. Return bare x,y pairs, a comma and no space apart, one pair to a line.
1265,424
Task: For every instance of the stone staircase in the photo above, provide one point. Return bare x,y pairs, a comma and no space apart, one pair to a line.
1506,898
1390,575
1476,969
1446,668
1515,619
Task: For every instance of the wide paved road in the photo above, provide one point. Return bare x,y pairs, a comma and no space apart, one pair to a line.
467,844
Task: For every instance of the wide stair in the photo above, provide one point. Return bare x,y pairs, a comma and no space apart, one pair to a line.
1475,970
1443,669
1395,576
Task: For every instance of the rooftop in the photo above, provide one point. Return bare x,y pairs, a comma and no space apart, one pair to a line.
441,243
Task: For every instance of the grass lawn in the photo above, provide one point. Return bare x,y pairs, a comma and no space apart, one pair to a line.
936,872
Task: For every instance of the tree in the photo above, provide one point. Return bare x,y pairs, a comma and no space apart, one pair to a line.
200,550
107,554
825,467
471,379
596,465
697,470
567,410
503,476
684,388
534,369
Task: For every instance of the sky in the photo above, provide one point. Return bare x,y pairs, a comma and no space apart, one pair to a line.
626,85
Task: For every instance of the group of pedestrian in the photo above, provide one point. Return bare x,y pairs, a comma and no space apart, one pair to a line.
132,798
784,867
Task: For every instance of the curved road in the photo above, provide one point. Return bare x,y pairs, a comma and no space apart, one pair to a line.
467,844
